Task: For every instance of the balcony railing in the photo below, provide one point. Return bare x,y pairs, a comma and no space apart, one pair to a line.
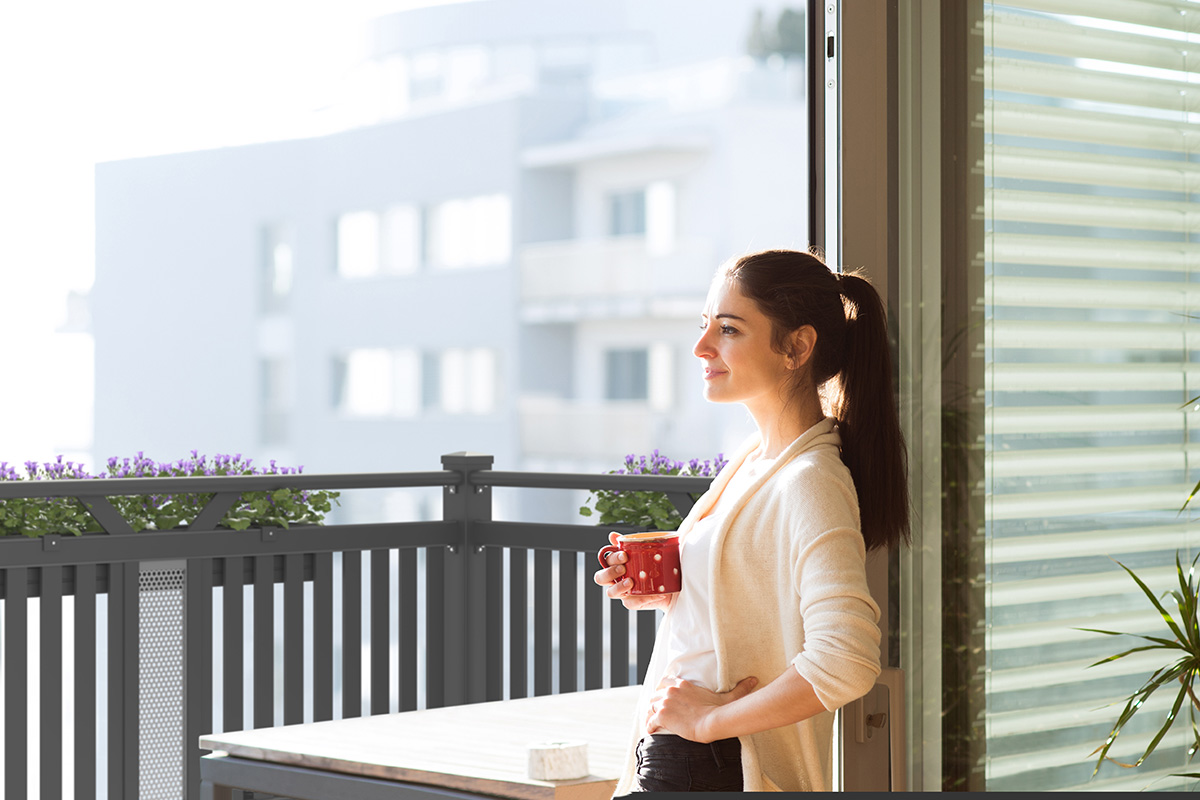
151,611
614,269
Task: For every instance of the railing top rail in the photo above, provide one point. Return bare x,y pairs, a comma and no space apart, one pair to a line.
211,484
590,481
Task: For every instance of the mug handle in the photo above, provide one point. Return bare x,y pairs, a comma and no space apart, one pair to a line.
604,553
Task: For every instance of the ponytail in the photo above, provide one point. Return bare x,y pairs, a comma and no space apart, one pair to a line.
868,420
852,365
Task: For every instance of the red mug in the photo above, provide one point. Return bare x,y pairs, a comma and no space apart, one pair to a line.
652,560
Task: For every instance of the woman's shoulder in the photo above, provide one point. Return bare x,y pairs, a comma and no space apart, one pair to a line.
816,486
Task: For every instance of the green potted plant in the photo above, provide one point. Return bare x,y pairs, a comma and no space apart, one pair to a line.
1182,655
42,516
652,510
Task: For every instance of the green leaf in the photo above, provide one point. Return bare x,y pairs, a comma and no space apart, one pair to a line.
1191,494
1167,618
1128,652
1166,725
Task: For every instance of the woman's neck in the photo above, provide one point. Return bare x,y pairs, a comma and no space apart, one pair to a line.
782,424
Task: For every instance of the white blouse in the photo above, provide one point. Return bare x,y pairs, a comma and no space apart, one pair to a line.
691,653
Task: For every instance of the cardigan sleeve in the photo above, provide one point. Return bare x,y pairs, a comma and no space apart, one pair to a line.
840,657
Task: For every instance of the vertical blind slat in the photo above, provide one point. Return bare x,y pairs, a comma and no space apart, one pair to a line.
85,682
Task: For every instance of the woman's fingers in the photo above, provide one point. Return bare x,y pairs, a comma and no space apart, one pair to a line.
620,589
613,573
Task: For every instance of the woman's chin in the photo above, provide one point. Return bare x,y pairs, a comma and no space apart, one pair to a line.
714,395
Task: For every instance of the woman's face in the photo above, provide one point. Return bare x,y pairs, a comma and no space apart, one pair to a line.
740,366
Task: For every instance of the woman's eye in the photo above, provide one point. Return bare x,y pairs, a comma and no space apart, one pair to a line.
728,330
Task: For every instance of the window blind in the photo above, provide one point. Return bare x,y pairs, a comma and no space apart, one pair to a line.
1091,214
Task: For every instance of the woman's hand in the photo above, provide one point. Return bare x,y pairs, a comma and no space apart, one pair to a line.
619,587
686,709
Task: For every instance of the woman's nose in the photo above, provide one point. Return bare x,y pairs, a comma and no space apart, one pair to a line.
703,348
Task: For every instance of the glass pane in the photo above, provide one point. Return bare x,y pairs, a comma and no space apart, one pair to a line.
358,244
626,374
1089,298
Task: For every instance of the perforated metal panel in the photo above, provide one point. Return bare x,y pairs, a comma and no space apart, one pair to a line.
161,680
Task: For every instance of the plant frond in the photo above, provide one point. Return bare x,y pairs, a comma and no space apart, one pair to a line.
1171,646
1167,618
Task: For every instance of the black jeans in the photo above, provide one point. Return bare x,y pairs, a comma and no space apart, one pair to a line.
670,763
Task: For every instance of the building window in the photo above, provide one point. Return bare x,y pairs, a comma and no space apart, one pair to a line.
627,213
426,76
648,212
627,374
276,267
401,243
275,399
467,381
660,217
358,244
377,382
471,232
372,243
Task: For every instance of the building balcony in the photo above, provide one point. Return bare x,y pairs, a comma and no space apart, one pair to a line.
587,431
620,276
149,641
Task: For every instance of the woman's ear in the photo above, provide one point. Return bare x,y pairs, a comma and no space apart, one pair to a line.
804,343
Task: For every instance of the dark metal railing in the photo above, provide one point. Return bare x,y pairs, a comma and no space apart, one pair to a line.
463,562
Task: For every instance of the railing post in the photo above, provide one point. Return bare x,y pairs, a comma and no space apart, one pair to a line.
471,654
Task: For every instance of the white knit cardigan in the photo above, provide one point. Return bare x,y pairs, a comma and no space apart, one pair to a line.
789,591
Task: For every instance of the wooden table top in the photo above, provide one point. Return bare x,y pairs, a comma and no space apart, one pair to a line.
476,748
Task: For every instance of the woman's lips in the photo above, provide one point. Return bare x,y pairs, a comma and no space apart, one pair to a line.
709,373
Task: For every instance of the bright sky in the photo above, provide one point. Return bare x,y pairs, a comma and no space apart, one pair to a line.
85,82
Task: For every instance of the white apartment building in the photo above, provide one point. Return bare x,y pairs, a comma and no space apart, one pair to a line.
510,258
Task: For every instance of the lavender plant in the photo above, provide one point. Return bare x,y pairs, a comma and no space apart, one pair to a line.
41,516
647,509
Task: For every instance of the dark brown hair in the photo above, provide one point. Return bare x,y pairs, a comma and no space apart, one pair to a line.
851,365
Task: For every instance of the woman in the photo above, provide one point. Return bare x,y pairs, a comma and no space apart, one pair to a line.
774,627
